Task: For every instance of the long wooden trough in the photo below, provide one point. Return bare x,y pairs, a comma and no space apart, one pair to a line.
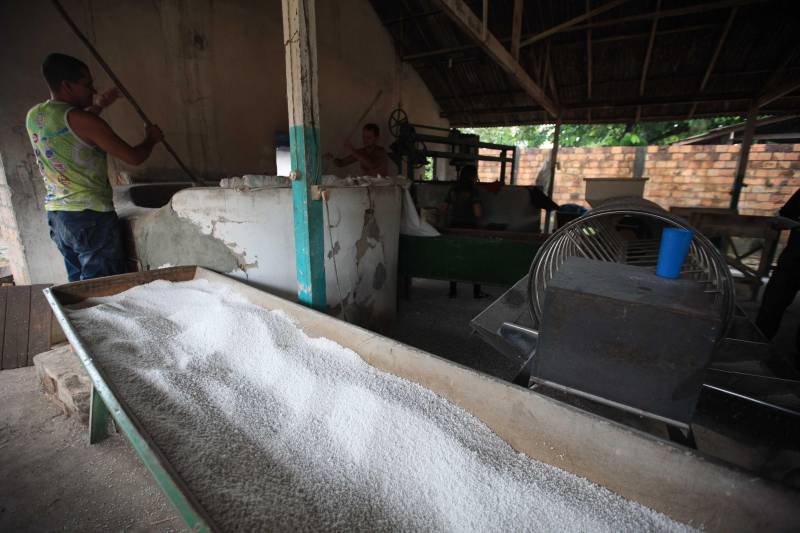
676,481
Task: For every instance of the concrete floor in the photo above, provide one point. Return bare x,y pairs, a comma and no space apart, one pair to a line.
431,321
52,480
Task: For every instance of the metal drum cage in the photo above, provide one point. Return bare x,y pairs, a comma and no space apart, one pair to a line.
628,231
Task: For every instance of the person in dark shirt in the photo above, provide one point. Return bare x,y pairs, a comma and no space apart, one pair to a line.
463,202
463,211
785,280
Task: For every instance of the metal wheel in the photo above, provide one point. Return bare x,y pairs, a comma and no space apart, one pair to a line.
396,121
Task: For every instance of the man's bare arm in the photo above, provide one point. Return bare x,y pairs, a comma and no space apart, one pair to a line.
93,129
344,161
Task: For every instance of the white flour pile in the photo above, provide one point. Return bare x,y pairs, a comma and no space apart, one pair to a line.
273,430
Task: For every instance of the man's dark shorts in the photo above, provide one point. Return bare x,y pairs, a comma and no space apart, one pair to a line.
90,241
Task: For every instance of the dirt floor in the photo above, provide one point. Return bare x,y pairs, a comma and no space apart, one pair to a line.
52,480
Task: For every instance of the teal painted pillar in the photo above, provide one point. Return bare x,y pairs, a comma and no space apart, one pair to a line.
300,38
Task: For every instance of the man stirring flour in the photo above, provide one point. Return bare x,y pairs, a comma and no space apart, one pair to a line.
71,143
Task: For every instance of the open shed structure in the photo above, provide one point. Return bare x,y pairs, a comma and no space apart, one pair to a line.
592,61
582,61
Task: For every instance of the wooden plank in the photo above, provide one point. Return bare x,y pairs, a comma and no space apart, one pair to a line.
40,322
516,28
302,74
464,17
15,341
3,298
78,291
718,49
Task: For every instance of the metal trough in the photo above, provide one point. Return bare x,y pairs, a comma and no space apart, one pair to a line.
681,483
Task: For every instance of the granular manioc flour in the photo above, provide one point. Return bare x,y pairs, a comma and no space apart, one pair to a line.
273,430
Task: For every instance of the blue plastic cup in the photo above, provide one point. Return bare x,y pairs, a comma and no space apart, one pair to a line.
674,249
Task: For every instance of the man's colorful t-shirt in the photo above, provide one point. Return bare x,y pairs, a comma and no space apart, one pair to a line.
75,173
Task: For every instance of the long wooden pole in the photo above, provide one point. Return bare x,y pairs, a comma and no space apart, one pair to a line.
120,86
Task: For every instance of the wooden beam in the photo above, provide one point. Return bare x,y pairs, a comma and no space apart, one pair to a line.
551,75
649,53
727,130
779,92
718,48
485,18
595,40
611,104
300,41
777,74
464,17
516,28
589,55
551,181
744,155
667,13
572,22
715,56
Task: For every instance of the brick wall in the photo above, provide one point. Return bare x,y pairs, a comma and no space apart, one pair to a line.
693,175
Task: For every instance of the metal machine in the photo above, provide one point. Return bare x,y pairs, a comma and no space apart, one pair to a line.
592,321
411,146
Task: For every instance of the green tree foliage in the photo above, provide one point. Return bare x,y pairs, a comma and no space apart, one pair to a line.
640,134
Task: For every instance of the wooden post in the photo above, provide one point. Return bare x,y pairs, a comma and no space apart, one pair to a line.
516,29
551,182
744,154
300,41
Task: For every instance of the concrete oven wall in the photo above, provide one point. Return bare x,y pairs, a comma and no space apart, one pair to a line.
211,74
249,235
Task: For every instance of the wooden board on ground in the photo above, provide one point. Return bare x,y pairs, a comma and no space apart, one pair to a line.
26,325
15,341
40,319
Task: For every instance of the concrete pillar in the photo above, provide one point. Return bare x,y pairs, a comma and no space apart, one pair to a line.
33,258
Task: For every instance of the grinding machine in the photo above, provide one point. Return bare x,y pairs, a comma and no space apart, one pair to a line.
592,325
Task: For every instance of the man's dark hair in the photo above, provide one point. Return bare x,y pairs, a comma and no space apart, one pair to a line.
373,128
61,67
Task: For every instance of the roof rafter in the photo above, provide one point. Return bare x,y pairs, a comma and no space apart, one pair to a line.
466,19
572,22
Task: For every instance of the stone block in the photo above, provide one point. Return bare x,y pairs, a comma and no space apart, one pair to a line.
65,381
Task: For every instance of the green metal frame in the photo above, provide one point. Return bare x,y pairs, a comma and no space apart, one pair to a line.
106,402
488,260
